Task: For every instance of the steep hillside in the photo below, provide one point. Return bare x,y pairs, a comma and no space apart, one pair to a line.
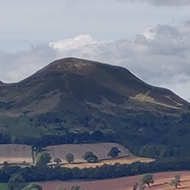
73,100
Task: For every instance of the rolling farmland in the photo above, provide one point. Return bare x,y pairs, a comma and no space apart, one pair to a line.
162,181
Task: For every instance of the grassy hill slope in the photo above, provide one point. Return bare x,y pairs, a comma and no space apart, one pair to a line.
75,101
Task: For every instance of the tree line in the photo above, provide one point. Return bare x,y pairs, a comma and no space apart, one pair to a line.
44,172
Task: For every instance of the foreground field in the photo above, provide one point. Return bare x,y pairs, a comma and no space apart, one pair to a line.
162,181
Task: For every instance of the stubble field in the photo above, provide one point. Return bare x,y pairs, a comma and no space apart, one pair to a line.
162,181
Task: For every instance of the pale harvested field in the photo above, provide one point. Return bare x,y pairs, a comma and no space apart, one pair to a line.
15,153
78,150
125,160
125,183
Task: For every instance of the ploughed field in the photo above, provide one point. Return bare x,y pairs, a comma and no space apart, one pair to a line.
162,182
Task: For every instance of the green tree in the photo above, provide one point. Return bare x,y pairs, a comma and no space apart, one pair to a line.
16,182
176,181
32,186
57,161
43,158
90,157
114,152
147,179
70,157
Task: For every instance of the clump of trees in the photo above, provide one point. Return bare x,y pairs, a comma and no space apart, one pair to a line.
90,157
42,159
16,182
147,179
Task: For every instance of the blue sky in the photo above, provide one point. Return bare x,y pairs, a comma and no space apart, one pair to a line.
149,37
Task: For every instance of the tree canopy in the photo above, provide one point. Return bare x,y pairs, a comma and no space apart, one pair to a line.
16,182
43,158
176,181
69,157
147,179
90,157
114,152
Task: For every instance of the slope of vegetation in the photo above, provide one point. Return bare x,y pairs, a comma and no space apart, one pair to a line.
80,101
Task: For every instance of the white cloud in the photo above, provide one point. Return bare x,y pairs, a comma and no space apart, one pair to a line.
170,2
17,66
80,46
165,2
159,55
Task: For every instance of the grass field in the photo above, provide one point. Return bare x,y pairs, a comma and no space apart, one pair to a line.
162,181
3,186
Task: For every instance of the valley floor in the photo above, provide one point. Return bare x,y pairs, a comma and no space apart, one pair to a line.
162,181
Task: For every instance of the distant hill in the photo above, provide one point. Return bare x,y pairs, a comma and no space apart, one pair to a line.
75,101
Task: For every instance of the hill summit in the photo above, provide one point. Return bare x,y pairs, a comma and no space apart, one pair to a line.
83,84
76,96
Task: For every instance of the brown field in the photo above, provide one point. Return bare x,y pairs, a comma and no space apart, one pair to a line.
18,154
162,181
15,153
124,160
78,150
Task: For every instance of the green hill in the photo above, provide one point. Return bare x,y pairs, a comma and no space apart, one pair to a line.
76,101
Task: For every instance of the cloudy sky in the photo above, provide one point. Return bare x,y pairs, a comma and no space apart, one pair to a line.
151,38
